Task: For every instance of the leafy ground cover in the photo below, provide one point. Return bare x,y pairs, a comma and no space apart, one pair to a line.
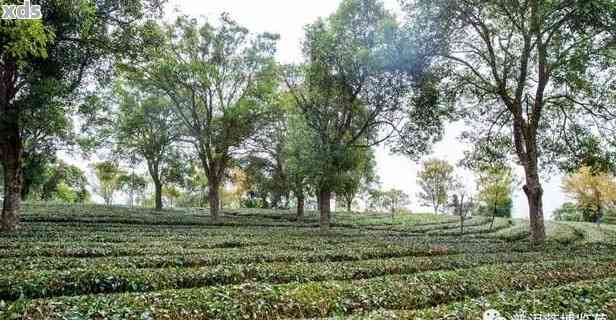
115,263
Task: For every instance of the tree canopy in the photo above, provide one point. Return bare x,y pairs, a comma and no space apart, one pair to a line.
533,77
44,63
436,180
218,78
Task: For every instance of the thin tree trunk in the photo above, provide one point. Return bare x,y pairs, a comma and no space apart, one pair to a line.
349,204
214,197
325,209
300,207
11,151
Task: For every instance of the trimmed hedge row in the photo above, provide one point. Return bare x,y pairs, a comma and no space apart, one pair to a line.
470,229
596,297
41,284
520,230
221,256
314,299
343,252
161,246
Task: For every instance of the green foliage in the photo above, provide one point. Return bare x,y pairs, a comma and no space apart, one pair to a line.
392,200
23,39
218,78
66,194
182,264
49,179
583,297
133,184
350,89
495,186
268,176
436,181
108,174
594,192
44,64
567,212
330,297
195,186
146,128
360,178
525,75
171,193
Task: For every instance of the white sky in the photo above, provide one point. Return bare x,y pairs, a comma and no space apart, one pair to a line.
288,18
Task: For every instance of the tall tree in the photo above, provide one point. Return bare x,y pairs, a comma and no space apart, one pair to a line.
495,186
395,200
108,174
435,180
43,62
147,127
594,192
267,162
461,201
536,75
133,184
351,90
219,77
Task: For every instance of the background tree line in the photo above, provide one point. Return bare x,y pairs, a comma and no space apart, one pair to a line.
204,104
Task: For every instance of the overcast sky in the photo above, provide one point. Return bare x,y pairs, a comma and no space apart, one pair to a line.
287,18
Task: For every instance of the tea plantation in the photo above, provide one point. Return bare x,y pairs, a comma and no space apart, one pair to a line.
92,262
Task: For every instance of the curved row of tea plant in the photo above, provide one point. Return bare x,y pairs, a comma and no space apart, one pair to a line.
572,300
40,284
315,299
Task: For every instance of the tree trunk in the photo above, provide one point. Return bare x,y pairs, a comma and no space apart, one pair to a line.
11,151
325,209
525,140
214,197
158,195
300,207
153,169
25,188
349,204
534,195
